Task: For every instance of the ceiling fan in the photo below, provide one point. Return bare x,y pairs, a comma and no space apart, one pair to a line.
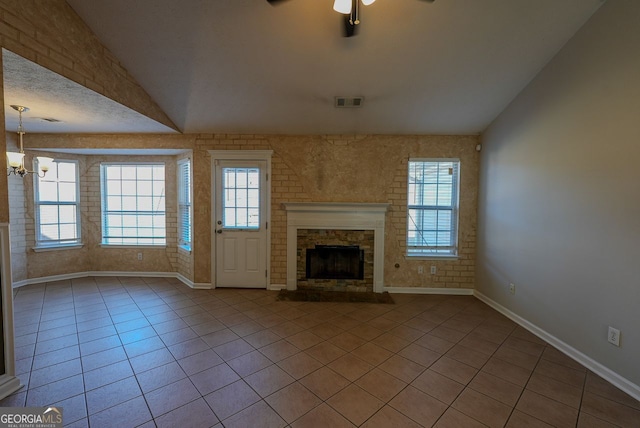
350,9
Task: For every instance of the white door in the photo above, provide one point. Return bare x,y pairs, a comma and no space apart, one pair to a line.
240,223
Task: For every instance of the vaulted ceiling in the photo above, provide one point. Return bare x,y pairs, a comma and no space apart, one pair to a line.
245,66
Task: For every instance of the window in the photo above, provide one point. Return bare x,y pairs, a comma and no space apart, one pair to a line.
241,203
57,205
432,221
184,203
133,204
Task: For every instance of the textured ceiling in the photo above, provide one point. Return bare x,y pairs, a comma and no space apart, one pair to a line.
51,96
449,67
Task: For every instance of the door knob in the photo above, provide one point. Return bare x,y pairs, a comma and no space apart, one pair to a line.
219,231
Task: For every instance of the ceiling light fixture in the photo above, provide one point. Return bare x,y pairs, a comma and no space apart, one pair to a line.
16,160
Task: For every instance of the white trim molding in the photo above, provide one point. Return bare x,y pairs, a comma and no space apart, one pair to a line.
9,383
604,372
425,290
338,216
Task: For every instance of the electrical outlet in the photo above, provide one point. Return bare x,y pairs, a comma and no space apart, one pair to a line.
512,288
614,336
139,256
420,270
433,270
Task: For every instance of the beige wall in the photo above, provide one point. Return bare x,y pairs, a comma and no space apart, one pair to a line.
28,263
559,204
51,34
317,169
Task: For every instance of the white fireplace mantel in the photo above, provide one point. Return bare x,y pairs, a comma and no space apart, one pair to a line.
339,216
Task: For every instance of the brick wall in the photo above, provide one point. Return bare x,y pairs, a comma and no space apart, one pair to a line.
320,169
353,169
51,34
92,256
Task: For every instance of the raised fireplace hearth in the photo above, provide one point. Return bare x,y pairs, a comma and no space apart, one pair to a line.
336,224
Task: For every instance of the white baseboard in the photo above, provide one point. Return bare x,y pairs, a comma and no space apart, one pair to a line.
77,275
180,277
424,290
604,372
9,385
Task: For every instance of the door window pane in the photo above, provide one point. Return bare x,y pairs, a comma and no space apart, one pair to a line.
241,202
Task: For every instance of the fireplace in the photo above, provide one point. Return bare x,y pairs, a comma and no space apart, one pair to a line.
336,224
335,262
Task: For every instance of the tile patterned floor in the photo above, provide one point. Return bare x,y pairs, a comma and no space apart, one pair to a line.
152,352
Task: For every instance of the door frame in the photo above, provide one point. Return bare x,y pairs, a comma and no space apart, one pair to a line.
240,155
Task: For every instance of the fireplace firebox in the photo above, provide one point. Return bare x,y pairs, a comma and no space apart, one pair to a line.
335,262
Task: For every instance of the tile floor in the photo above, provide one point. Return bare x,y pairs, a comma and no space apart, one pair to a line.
152,352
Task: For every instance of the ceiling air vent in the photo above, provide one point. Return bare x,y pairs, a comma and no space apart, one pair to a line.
348,102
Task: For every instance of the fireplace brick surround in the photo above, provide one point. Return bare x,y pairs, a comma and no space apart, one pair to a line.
309,238
362,220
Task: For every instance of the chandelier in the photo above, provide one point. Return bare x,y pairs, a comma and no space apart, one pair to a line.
16,160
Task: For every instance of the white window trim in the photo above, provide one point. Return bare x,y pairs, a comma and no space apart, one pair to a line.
102,206
454,255
181,245
57,245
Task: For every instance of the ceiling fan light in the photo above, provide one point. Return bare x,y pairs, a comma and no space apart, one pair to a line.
367,2
342,6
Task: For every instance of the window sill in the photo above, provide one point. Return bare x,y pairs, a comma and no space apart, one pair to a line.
431,257
57,248
133,246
